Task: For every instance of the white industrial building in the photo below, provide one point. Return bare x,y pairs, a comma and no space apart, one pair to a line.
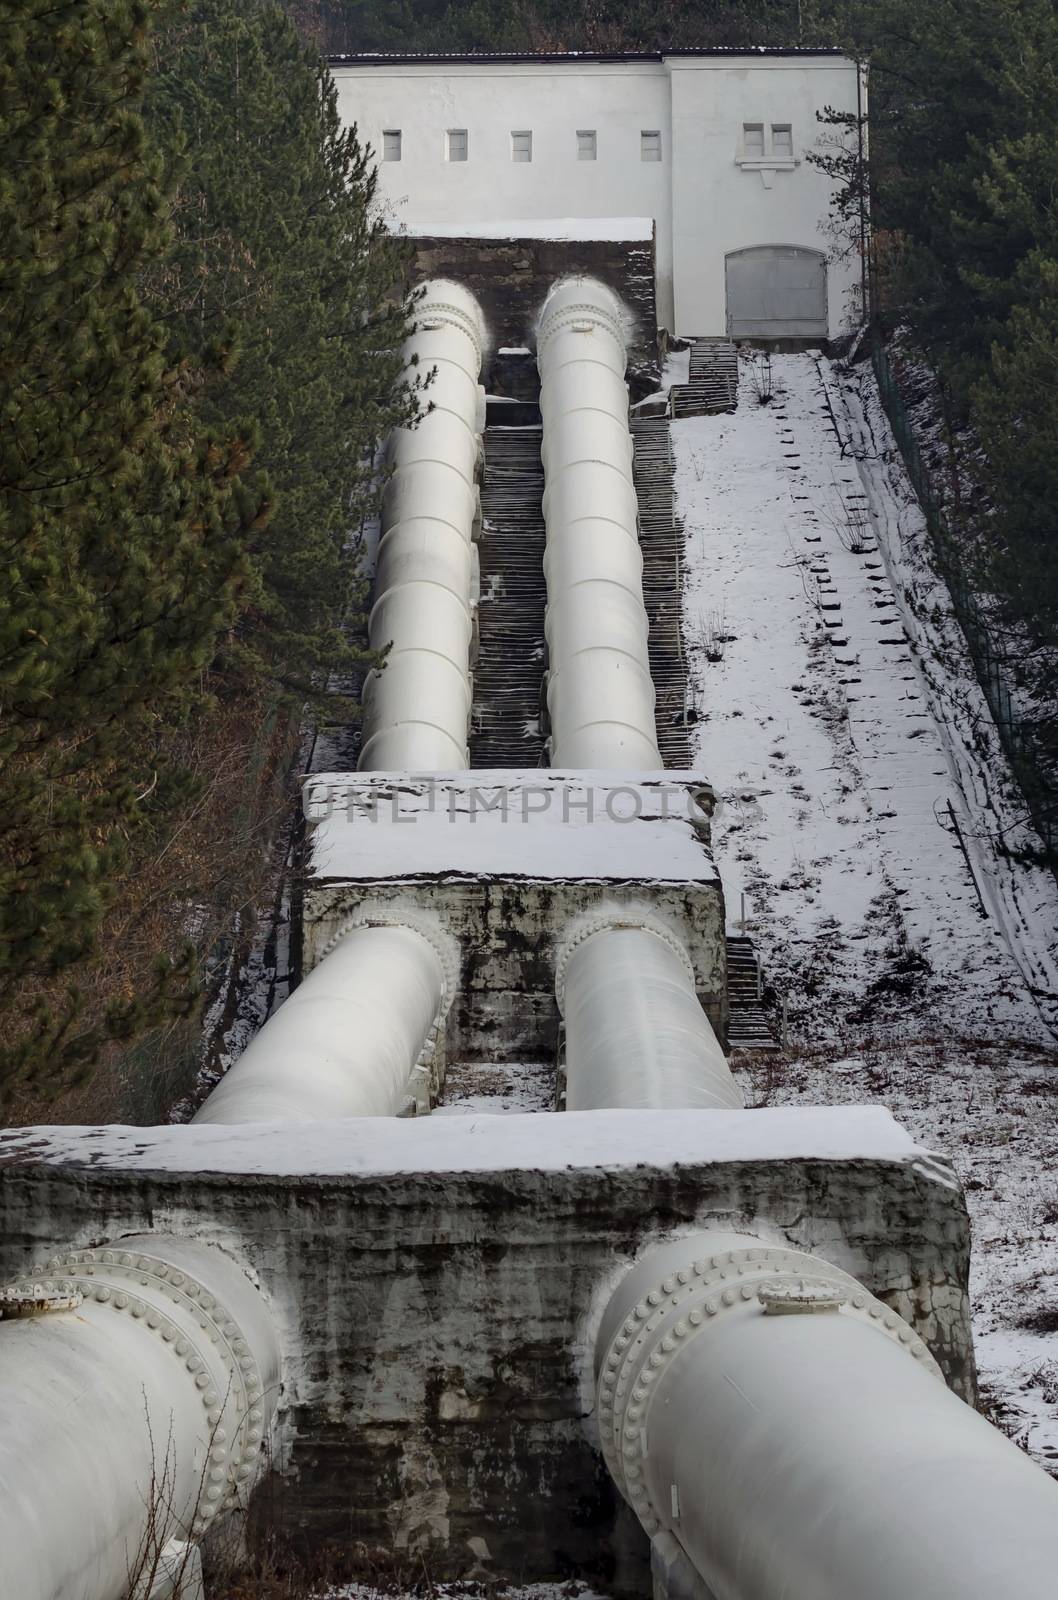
710,146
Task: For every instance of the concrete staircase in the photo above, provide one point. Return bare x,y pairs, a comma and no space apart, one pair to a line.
508,676
506,727
748,1026
712,384
661,540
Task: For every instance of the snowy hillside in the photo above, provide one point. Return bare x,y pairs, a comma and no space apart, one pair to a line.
870,830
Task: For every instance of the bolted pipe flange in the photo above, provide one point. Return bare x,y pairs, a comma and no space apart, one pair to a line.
201,1336
36,1300
593,307
606,920
444,946
431,313
746,1282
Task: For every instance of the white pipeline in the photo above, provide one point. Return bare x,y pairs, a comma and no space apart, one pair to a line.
417,706
636,1034
600,694
348,1040
352,1037
793,1435
135,1416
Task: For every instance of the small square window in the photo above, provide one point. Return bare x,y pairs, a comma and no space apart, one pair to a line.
753,140
522,145
782,141
587,144
391,144
650,145
456,144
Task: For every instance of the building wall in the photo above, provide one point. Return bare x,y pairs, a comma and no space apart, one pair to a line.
510,278
490,100
703,202
720,205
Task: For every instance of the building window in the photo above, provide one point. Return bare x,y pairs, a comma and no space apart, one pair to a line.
587,144
753,141
456,144
782,141
650,145
391,144
521,145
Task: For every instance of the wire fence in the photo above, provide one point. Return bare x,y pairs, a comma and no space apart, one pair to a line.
1018,735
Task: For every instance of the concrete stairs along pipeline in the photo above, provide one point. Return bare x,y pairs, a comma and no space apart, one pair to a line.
712,384
508,677
508,680
661,540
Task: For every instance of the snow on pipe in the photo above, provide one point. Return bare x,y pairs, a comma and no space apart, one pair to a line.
636,1034
789,1435
137,1385
600,693
354,1037
417,706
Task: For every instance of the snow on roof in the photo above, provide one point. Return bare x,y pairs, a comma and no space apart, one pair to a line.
536,825
372,1146
371,58
561,228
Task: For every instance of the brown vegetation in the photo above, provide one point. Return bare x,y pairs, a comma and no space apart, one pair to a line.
187,899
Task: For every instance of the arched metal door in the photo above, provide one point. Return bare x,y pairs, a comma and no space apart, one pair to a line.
776,291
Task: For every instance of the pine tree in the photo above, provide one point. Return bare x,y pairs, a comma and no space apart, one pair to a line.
961,91
120,524
470,25
1016,419
283,257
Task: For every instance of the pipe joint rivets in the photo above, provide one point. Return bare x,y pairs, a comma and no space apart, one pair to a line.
444,946
683,1306
636,917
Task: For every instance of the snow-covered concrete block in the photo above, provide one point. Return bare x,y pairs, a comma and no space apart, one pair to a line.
437,1283
508,861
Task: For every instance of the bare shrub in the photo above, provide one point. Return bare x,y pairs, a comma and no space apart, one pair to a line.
849,519
708,635
761,380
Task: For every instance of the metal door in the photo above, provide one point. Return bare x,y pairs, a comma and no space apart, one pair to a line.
776,291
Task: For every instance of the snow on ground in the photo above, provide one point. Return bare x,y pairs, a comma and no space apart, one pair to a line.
864,809
1020,894
472,1087
816,729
